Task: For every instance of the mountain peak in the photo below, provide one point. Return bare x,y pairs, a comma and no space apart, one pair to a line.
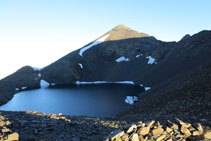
121,31
120,26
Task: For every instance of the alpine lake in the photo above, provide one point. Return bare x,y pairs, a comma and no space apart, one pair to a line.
104,100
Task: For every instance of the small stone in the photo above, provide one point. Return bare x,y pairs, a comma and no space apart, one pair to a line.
192,129
13,137
140,123
158,131
132,128
62,117
60,114
118,139
200,128
175,126
7,123
196,133
2,117
5,130
207,135
144,131
161,137
159,124
2,123
115,134
125,137
68,120
185,131
168,130
135,137
151,123
185,125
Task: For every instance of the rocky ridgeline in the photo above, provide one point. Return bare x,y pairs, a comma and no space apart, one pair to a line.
155,131
5,132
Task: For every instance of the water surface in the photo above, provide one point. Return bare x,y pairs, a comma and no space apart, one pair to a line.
90,100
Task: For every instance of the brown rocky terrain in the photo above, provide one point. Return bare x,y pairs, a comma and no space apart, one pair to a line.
155,131
36,126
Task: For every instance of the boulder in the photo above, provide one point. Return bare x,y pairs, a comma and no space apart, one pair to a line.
60,114
2,117
200,128
125,137
115,134
2,123
185,131
158,131
5,130
132,128
168,130
183,124
13,137
196,133
144,131
134,137
207,135
151,123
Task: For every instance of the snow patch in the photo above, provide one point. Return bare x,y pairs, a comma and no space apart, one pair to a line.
131,99
151,60
23,88
36,69
43,84
39,74
125,82
137,56
147,88
104,82
122,59
17,89
53,84
98,41
80,65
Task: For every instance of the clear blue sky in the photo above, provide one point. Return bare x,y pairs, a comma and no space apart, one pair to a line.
37,32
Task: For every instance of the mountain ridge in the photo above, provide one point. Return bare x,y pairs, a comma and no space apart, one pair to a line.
175,71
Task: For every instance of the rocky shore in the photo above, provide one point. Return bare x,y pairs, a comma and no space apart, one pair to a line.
36,126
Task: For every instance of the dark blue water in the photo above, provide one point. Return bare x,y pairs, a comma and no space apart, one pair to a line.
91,100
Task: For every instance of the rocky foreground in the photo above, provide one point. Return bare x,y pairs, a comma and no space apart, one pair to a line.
155,131
36,126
